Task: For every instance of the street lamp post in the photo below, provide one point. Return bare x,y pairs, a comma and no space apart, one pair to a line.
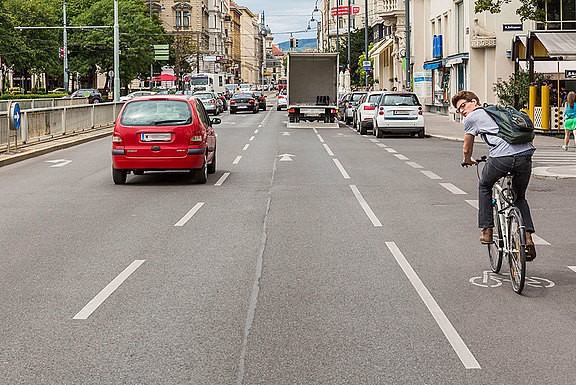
116,54
65,40
349,35
151,63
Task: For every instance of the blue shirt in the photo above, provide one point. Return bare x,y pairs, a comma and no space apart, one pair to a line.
478,122
570,113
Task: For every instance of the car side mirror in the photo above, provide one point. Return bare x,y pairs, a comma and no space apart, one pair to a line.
216,121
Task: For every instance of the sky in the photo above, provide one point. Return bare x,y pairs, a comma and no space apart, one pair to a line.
284,16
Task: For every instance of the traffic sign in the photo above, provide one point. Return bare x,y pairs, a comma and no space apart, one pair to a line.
186,78
343,11
367,65
14,116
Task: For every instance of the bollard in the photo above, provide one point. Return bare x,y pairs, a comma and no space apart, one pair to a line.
545,108
532,101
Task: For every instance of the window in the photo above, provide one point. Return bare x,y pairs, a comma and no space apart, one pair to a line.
182,18
202,113
400,100
460,26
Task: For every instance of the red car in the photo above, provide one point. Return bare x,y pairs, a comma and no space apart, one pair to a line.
164,132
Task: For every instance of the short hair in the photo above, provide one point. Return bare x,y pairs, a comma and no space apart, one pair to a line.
465,95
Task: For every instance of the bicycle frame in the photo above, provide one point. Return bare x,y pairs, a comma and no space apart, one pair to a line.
503,211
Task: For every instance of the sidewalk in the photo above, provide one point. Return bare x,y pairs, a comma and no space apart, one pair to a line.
36,148
440,126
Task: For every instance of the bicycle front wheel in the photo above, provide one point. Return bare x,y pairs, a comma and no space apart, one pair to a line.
496,248
517,250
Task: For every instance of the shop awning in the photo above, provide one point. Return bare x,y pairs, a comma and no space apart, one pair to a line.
433,65
557,43
379,47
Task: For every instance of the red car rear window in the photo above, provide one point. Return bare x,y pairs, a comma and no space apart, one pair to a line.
157,113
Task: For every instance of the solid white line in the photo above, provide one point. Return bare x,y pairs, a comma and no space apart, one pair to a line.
573,268
381,145
443,322
453,189
252,138
319,137
401,157
431,175
473,203
255,131
189,214
222,179
365,206
245,147
108,290
539,241
391,150
328,149
414,164
237,160
342,171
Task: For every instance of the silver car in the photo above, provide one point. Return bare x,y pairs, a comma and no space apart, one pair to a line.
211,102
351,104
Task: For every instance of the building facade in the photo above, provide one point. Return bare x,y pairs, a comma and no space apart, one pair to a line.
334,21
251,47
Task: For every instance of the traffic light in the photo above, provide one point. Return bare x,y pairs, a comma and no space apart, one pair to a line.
61,53
291,42
295,42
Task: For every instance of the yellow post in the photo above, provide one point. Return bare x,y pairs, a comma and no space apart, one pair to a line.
532,102
545,108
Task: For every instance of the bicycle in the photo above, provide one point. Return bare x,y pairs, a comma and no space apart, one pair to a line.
509,236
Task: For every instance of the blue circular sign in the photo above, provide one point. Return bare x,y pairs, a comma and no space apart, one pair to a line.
15,116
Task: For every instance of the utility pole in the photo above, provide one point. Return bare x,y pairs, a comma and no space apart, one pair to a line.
116,54
407,11
349,18
65,39
327,13
152,63
366,36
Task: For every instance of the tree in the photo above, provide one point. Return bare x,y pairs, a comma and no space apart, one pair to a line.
360,70
518,84
529,10
356,50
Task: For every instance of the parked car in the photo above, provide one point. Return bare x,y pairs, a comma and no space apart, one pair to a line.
350,105
261,99
58,91
282,100
132,95
211,102
342,99
399,112
243,88
16,91
159,133
365,111
91,95
244,101
224,101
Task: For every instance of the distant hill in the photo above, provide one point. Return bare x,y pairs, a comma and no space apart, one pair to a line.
302,45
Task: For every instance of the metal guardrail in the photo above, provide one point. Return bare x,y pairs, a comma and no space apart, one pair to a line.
30,104
45,123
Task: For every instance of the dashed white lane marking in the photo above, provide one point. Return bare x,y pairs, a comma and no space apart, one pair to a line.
365,206
341,168
414,164
328,149
255,131
374,140
259,125
431,175
319,137
453,189
443,322
108,290
237,160
573,268
315,130
391,150
245,147
222,179
381,145
189,214
252,138
473,203
401,157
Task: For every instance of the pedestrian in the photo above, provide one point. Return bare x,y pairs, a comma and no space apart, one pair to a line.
503,157
394,88
569,119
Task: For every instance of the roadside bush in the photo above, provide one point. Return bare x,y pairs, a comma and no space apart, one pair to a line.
31,96
519,84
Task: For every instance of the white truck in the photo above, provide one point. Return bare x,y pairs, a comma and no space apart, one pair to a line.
312,88
206,82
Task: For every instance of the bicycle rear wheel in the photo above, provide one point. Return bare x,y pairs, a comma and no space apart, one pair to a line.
496,249
517,250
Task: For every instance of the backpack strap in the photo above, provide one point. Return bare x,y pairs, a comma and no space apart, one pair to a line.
484,136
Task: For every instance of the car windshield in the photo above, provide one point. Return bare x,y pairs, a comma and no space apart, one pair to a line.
374,98
400,100
230,87
199,81
242,96
156,113
204,96
357,97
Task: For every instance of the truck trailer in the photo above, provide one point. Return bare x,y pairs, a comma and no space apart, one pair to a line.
312,87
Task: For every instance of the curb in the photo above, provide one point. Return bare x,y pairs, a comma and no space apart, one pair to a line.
55,147
542,173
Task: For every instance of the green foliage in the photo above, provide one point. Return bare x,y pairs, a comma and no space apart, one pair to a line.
518,84
360,70
528,10
356,51
31,96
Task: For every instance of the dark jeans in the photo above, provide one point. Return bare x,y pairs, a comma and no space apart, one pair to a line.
496,168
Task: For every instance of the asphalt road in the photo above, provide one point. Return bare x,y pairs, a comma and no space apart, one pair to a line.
313,256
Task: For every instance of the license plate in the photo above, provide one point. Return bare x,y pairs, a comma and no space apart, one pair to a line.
159,137
310,111
401,112
242,106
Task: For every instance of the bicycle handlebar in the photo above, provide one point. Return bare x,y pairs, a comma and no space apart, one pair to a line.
482,159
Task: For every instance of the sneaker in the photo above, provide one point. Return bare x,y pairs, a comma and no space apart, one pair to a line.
565,148
486,237
530,248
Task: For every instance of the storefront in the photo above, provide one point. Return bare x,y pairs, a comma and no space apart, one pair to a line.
440,86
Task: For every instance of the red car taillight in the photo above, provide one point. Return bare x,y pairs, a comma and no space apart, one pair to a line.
369,108
262,98
381,111
420,111
211,101
196,138
251,101
334,111
232,101
292,110
117,139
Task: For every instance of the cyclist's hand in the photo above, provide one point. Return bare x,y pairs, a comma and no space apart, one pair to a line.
469,162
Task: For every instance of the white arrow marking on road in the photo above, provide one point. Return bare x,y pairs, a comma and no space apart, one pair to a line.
286,158
573,268
286,133
59,162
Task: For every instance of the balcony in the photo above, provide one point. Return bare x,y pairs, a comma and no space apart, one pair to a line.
389,7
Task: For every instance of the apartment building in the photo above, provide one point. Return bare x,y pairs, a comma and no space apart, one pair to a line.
220,40
236,60
251,47
333,19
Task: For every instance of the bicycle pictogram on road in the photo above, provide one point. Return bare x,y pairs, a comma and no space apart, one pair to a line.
490,279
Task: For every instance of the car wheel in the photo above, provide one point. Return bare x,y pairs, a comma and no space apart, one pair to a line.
379,134
119,176
347,121
421,133
354,124
363,129
212,166
257,110
201,174
278,109
95,101
232,111
264,109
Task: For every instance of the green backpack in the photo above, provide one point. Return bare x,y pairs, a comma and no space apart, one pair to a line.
514,126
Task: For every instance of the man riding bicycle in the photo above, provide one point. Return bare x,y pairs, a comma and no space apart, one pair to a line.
504,157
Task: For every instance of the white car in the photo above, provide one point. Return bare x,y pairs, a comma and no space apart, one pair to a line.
399,112
282,101
243,88
350,106
365,111
132,95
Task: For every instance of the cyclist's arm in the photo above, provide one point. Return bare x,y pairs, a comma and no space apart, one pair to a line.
468,148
